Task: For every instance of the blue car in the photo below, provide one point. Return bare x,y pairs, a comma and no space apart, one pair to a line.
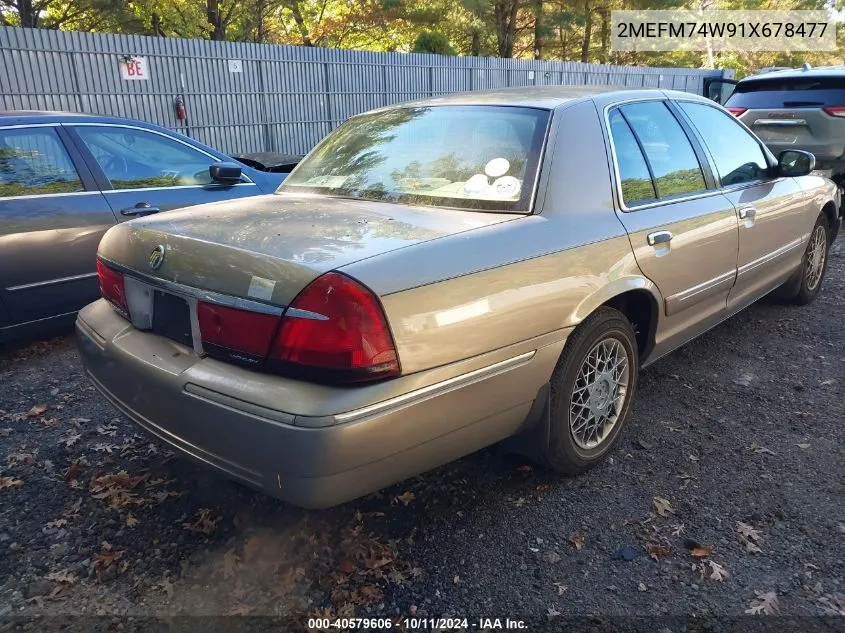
66,178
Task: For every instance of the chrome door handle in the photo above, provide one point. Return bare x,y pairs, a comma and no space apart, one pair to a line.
748,213
142,208
660,237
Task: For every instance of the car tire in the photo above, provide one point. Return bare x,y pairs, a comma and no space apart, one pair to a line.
813,264
599,360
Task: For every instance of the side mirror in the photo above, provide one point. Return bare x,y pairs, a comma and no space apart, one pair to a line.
225,173
795,162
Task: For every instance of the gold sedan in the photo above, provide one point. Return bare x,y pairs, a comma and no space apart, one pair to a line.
439,276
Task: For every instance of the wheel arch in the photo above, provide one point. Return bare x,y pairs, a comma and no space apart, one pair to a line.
639,300
833,217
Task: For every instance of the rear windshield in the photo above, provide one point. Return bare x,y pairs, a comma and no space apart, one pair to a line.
797,92
465,157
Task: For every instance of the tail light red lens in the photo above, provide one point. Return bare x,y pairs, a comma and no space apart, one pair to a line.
112,288
837,111
335,330
240,336
736,111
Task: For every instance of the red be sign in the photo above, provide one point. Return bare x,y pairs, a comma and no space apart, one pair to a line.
133,68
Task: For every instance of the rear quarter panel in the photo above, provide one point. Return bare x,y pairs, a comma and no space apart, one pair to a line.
464,295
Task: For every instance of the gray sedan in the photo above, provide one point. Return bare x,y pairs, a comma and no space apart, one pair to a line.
66,178
439,276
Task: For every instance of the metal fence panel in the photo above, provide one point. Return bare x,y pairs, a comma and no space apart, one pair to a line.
282,98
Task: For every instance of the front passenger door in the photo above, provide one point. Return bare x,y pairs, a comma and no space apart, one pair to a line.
148,171
770,209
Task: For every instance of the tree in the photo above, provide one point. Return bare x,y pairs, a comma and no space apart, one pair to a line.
433,42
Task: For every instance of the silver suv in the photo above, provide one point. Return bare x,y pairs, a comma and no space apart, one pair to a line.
797,109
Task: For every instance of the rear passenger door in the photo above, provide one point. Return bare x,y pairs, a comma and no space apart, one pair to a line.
770,209
682,230
145,171
51,220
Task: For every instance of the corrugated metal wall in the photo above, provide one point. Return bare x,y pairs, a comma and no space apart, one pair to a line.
285,99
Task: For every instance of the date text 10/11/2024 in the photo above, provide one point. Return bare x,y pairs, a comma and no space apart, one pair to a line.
414,624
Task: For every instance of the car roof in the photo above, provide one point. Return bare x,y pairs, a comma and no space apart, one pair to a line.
545,97
797,73
34,117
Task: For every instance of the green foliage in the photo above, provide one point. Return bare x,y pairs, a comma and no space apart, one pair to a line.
433,42
573,30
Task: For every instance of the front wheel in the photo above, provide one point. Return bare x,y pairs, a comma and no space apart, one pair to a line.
814,263
592,389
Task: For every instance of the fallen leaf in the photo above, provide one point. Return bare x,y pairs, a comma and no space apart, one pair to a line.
57,523
406,497
102,447
678,530
765,604
106,557
642,587
37,410
10,482
456,579
717,571
657,550
561,588
760,449
577,539
551,612
64,576
702,552
662,506
803,446
204,522
749,537
5,432
131,521
70,439
108,429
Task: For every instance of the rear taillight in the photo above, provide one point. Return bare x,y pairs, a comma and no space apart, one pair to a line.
112,288
837,111
736,111
236,335
335,330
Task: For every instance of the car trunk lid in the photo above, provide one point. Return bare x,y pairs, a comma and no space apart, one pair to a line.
268,248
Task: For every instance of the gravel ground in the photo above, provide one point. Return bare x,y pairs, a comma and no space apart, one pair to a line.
726,495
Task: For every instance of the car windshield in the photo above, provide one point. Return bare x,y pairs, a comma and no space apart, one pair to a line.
466,157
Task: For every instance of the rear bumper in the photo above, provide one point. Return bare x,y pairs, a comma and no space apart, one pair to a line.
312,448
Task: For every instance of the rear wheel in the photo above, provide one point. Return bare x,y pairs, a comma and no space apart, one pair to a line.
592,389
813,264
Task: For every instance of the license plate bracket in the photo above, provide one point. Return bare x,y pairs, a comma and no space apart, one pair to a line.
172,318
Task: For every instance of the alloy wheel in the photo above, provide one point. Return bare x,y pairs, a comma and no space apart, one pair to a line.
599,393
816,255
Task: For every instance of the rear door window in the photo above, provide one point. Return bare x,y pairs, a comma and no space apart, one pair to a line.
669,152
34,162
792,92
